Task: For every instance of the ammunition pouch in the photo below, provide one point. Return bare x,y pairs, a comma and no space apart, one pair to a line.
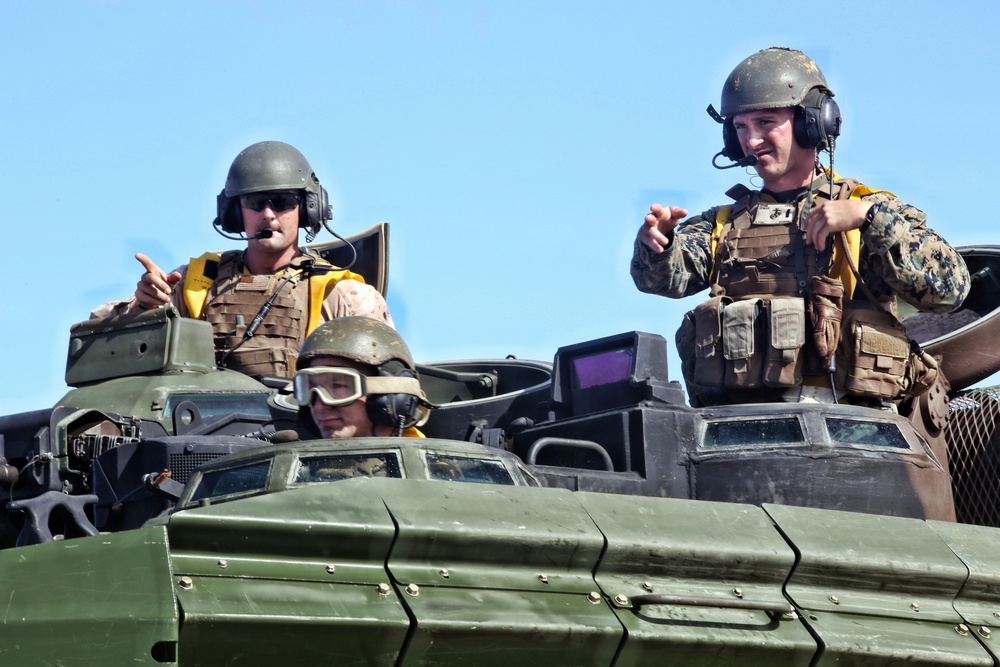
878,359
743,344
787,327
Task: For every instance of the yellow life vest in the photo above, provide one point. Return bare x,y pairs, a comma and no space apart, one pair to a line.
201,274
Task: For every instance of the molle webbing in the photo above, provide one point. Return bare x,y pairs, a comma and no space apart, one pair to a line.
761,258
234,301
760,261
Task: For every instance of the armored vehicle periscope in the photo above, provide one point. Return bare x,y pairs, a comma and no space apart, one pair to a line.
569,513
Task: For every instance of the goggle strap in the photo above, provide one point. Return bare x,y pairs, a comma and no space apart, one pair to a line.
395,385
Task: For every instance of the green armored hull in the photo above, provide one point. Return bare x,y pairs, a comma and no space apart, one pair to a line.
429,572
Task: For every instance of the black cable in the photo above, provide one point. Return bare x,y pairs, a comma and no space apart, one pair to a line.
258,319
354,252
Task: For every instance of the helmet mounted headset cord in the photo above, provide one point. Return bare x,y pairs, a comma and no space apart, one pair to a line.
824,259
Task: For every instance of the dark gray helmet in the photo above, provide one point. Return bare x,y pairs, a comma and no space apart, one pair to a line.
270,165
774,78
359,339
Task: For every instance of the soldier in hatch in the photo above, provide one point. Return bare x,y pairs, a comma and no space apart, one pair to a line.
356,378
804,273
264,300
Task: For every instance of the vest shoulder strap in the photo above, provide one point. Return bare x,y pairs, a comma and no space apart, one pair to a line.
201,274
850,241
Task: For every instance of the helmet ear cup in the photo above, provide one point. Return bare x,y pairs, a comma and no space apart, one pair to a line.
228,213
391,409
817,121
314,210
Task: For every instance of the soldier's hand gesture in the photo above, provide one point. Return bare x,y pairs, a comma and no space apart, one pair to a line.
660,222
154,287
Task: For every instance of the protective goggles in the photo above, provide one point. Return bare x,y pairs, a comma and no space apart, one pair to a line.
279,202
333,385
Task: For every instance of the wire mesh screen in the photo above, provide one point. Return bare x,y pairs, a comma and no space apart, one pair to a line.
183,463
974,451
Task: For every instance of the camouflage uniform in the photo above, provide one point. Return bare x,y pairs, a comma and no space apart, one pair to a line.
274,348
900,256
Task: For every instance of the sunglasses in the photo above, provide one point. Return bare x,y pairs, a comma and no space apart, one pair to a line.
333,385
279,202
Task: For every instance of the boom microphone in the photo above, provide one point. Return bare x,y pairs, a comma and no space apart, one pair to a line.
748,161
265,233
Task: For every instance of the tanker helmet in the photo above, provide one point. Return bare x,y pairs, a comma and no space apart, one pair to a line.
266,166
774,78
778,78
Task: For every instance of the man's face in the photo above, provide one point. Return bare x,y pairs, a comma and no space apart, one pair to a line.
279,212
341,421
781,162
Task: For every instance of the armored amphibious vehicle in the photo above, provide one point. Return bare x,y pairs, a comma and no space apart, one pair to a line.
573,512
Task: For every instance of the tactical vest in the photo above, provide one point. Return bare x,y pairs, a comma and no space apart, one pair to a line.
218,289
760,250
751,340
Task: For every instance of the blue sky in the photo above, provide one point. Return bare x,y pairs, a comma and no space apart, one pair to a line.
513,146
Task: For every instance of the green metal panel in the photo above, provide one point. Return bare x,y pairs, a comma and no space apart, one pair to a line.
979,600
697,583
152,341
497,575
872,641
501,628
93,601
288,578
877,590
247,622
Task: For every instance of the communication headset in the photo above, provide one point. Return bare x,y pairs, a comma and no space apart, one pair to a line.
393,409
816,125
313,210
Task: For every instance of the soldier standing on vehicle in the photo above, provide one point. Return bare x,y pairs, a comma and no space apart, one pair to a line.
264,300
356,378
805,272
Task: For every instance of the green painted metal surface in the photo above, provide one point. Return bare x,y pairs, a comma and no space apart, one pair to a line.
288,578
697,583
90,602
406,572
498,575
979,600
877,590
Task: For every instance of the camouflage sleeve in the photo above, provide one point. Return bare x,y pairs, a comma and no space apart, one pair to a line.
353,298
114,308
685,267
900,254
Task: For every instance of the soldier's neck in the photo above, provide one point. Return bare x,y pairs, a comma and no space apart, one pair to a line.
261,263
787,196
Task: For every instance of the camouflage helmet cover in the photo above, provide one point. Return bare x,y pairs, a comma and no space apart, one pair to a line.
270,165
774,78
360,339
